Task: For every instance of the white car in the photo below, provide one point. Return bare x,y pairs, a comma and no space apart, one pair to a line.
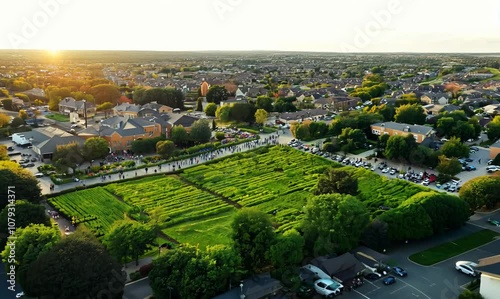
492,168
39,175
466,268
328,287
20,295
386,170
393,172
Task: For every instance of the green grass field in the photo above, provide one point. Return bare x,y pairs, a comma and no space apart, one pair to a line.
448,250
95,207
58,117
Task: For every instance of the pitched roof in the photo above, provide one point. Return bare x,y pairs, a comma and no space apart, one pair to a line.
181,120
344,267
418,129
490,265
50,145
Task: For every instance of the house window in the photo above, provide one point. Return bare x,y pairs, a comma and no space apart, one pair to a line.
376,132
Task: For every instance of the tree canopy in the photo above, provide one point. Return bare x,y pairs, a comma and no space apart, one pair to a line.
481,192
252,235
67,156
210,109
410,114
334,223
337,181
95,148
261,116
105,93
217,94
200,131
165,148
76,267
453,148
26,213
26,185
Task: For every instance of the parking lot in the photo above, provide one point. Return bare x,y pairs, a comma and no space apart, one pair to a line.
440,281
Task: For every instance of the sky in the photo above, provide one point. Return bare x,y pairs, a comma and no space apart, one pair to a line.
280,25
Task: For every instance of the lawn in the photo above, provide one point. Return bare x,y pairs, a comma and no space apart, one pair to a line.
209,231
448,250
95,207
58,117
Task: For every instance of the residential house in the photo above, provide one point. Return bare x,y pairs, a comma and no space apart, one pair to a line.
392,129
344,267
432,109
493,109
288,117
69,105
120,131
230,101
495,149
127,110
186,121
435,98
490,277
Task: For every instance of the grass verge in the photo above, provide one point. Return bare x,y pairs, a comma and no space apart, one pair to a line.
448,250
57,117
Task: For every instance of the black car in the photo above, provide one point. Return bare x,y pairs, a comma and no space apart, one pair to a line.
10,148
372,276
34,159
30,165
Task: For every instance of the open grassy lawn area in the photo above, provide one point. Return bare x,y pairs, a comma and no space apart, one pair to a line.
57,117
209,231
448,250
95,207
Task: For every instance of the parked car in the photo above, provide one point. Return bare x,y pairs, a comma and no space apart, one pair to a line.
20,295
492,168
30,165
452,188
466,268
386,170
10,148
392,172
399,271
389,280
470,168
33,159
493,222
328,287
39,174
373,275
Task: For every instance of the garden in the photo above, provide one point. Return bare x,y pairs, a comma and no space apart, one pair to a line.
197,204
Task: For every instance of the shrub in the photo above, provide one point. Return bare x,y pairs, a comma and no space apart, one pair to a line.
144,270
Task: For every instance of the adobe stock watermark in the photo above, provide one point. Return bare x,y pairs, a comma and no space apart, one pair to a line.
222,7
33,24
11,240
380,20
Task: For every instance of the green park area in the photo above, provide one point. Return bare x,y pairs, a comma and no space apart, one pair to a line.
448,250
197,205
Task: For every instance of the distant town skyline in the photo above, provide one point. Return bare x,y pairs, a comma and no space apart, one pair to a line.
231,25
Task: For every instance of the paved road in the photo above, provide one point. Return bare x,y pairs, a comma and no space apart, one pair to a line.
138,289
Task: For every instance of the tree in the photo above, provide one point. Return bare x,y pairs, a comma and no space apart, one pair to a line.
23,183
217,94
356,136
288,250
67,156
105,107
223,113
165,148
481,192
129,239
7,104
144,146
252,235
337,181
199,104
376,235
445,126
23,114
453,148
400,229
95,148
76,267
179,135
31,242
333,223
410,114
261,116
105,93
241,112
220,136
464,130
449,166
17,122
200,131
493,128
264,102
445,211
210,109
4,120
26,213
4,155
38,102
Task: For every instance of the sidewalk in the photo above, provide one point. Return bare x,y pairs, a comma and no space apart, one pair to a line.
167,167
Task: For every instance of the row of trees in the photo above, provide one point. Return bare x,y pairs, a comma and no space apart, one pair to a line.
166,96
70,156
456,124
